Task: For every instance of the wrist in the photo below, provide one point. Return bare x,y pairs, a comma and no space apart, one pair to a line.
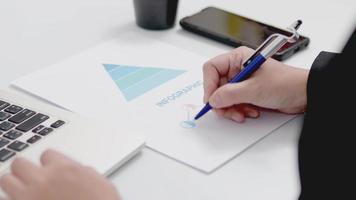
300,93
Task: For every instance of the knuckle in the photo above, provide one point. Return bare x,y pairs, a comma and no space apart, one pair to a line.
67,167
240,49
232,56
243,50
61,171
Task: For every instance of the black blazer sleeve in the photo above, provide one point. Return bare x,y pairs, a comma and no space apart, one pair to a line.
327,149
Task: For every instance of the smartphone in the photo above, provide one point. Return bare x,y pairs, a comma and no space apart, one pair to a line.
236,30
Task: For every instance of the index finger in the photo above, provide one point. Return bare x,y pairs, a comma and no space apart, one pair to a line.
11,186
25,170
223,66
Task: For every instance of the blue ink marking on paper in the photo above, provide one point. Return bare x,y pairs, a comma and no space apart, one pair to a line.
189,123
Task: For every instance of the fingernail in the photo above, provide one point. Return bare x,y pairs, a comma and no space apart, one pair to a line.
215,102
252,113
212,103
219,113
238,118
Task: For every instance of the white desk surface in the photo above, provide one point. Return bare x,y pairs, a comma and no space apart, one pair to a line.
37,33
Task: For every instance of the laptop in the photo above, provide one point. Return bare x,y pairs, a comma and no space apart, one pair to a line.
29,126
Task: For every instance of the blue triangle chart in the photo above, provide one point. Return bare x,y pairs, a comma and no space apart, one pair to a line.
134,81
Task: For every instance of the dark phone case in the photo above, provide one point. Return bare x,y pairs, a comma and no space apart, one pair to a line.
232,42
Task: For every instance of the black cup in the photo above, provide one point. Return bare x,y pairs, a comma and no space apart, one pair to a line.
155,14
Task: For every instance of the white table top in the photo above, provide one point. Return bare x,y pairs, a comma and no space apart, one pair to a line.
38,33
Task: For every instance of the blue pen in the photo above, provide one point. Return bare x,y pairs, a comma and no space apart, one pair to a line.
262,53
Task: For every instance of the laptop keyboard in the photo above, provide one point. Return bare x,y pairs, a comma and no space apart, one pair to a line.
21,127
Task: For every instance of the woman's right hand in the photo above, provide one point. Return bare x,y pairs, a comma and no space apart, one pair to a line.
273,86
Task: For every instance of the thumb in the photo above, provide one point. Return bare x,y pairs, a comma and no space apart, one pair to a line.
231,94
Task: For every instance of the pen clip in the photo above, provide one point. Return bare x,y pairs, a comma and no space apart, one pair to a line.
276,41
260,48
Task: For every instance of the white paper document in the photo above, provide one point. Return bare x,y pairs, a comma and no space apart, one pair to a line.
162,87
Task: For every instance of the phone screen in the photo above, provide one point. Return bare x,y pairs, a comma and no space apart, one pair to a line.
231,26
